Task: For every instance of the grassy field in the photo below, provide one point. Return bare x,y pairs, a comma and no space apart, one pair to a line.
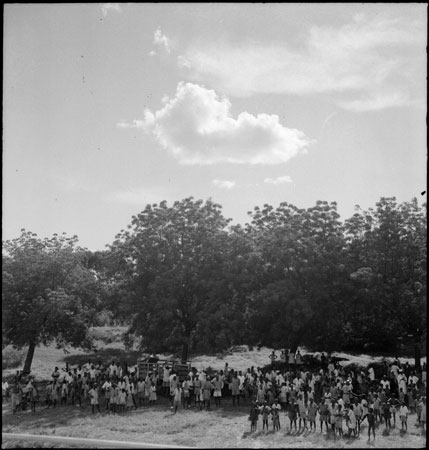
227,427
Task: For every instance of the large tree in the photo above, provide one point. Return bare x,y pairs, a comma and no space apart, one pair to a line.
173,259
387,248
301,252
48,292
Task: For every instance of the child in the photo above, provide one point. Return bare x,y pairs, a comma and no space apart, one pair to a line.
324,415
114,394
276,415
423,413
351,421
122,396
64,393
312,409
93,395
371,423
302,412
266,411
152,396
339,415
386,415
254,416
177,398
293,414
403,415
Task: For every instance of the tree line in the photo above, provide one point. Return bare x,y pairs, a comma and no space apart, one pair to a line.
186,280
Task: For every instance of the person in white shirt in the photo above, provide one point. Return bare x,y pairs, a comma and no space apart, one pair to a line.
403,415
4,391
385,383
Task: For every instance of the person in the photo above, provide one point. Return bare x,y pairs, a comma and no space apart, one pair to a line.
55,374
371,423
293,414
197,391
339,416
357,411
93,395
121,400
174,382
312,410
177,397
217,394
254,416
386,415
351,421
423,413
4,391
298,359
33,394
302,412
207,387
273,358
275,415
403,415
107,389
152,396
64,393
186,393
129,403
114,397
266,411
235,389
324,415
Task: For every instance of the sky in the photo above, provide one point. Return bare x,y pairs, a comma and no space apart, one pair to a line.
108,107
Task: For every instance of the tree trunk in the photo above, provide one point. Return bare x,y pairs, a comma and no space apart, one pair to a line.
185,350
29,358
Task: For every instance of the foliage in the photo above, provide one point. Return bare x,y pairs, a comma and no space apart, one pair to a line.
11,357
48,292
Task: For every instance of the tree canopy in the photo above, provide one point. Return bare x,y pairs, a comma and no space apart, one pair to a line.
186,280
48,293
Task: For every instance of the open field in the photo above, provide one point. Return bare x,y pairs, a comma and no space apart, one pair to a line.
225,427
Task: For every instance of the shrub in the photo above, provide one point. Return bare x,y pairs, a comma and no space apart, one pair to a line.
11,357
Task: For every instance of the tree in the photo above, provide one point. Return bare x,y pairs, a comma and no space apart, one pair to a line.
301,252
173,261
387,248
48,294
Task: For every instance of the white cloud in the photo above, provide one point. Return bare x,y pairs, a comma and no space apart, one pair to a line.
138,196
376,61
106,7
134,124
278,180
224,184
196,126
161,42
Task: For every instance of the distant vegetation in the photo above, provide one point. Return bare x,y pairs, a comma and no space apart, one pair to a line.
188,281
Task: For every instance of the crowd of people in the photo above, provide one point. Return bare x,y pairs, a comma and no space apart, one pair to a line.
330,397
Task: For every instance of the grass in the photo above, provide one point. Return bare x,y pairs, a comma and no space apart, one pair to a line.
227,427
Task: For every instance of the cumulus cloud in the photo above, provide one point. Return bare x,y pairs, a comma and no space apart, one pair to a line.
224,184
278,180
161,42
107,7
197,127
377,62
